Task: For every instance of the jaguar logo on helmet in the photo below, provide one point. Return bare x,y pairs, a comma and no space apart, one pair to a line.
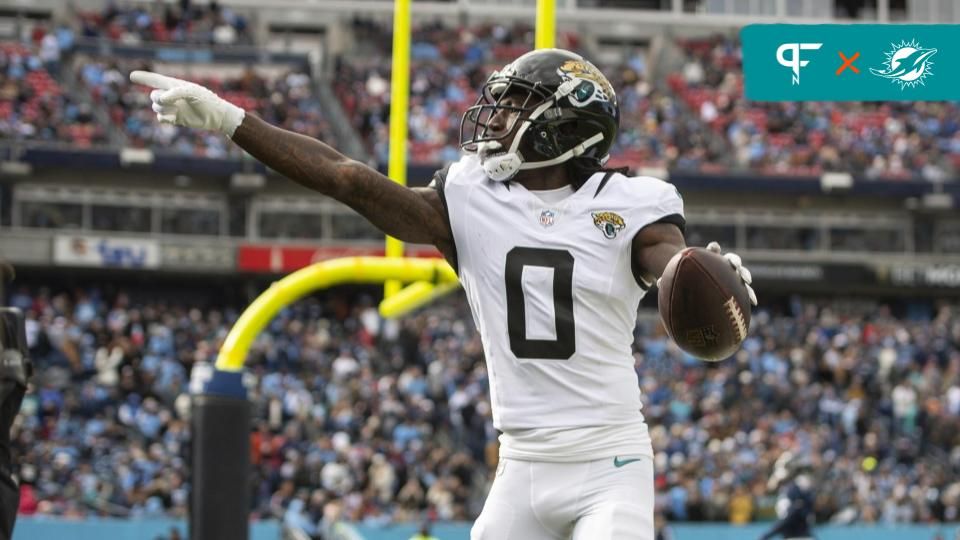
593,87
610,223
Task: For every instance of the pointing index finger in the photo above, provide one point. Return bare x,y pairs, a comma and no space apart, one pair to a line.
154,80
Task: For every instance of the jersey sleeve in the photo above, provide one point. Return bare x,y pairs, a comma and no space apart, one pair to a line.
655,201
439,178
439,183
670,207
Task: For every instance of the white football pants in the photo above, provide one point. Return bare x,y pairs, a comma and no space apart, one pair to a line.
607,499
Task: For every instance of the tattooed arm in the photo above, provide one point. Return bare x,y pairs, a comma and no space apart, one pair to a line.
412,215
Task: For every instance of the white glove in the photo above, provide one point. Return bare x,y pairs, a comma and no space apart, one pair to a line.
737,265
188,104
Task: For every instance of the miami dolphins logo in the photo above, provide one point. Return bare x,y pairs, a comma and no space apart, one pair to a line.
610,223
907,64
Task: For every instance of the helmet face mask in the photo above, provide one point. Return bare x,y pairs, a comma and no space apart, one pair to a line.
492,100
563,109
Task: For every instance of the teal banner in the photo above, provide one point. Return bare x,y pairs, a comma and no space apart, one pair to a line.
851,62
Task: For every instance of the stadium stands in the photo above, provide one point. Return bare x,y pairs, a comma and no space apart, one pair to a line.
688,116
183,22
286,100
882,140
374,421
391,420
341,411
694,118
449,65
53,93
33,104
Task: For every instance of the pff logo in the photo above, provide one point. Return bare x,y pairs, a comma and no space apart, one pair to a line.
794,62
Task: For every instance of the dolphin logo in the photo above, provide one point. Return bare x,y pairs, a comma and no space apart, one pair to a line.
907,64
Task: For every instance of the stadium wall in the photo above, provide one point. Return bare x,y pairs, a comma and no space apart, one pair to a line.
119,529
47,529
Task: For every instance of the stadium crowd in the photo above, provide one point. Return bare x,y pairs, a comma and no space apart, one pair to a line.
688,114
49,92
365,419
207,23
697,120
287,100
448,66
896,140
33,104
355,417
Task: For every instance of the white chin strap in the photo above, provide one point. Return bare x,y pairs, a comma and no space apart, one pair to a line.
503,167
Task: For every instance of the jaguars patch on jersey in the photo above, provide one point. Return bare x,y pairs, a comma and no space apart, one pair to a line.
552,291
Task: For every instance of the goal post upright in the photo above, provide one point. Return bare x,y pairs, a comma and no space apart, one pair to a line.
221,417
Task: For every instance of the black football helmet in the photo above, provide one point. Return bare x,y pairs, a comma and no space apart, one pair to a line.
568,110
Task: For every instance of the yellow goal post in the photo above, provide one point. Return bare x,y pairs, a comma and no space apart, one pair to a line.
430,272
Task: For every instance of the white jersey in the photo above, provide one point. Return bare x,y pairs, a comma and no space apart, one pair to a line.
555,300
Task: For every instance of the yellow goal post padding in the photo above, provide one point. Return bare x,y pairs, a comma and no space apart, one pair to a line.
435,276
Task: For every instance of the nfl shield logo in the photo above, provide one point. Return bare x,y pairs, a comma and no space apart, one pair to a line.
546,217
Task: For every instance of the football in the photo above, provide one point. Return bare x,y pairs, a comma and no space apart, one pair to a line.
704,305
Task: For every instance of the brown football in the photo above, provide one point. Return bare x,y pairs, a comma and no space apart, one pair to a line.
704,305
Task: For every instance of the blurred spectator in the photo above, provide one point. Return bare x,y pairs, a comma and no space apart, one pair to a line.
663,531
741,506
424,533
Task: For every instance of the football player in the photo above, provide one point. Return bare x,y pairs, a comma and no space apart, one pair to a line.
554,253
15,370
792,477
